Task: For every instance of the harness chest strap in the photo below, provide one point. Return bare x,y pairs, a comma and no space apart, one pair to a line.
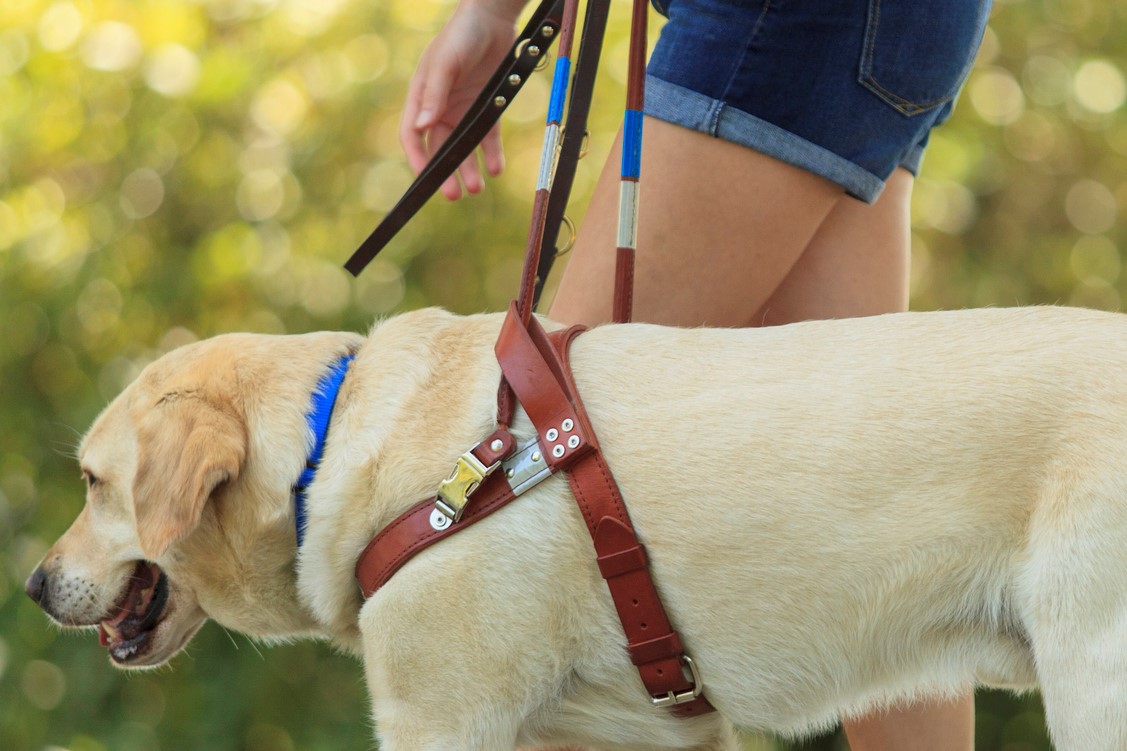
653,644
537,368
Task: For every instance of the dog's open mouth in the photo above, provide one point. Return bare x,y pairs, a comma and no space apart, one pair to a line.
127,633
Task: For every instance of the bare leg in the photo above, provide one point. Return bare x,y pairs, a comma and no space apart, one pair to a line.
856,264
730,237
719,227
923,726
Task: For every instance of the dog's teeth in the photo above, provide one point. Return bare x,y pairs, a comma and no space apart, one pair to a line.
110,631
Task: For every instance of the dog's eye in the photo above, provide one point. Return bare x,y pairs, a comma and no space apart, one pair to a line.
92,480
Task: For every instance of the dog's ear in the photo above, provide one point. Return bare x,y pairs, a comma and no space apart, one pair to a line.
186,447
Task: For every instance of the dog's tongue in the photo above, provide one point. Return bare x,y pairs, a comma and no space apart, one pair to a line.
135,603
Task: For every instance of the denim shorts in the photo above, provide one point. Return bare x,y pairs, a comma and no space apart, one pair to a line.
846,89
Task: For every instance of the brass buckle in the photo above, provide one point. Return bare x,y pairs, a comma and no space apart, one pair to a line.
673,699
454,492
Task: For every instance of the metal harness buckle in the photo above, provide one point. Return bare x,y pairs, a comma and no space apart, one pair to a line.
526,468
672,699
454,492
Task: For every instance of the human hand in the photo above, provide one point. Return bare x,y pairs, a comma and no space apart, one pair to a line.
451,72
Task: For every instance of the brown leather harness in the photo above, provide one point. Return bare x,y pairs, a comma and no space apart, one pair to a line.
536,366
536,371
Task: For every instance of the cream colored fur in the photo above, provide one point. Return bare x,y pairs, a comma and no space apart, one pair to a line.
838,515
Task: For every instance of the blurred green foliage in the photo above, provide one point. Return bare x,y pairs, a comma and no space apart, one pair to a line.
170,170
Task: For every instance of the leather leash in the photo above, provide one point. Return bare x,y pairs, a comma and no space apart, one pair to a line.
509,78
526,54
631,167
574,136
494,99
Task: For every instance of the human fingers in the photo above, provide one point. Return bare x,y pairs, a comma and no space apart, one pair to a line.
471,175
413,140
451,189
491,151
439,79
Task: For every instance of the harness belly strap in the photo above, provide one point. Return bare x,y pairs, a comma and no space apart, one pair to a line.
537,368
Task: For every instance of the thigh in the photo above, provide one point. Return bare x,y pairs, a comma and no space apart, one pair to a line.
719,227
855,265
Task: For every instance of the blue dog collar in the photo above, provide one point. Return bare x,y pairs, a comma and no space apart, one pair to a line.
318,417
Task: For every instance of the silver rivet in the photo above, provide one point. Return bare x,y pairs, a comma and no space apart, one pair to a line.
535,456
552,434
497,445
548,32
573,441
557,451
439,521
511,474
514,80
567,425
533,50
499,101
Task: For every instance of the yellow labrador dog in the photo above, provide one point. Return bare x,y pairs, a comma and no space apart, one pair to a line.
838,514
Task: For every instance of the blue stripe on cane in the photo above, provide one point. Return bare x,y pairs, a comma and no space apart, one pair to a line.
632,144
559,89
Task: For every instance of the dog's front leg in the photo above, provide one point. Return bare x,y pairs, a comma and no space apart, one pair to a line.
401,726
457,655
424,703
431,696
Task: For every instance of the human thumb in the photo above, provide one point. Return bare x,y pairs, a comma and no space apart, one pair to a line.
434,98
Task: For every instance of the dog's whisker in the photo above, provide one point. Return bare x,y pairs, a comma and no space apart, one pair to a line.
231,637
67,449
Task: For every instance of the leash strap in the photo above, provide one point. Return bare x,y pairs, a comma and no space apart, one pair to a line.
574,137
483,114
631,166
526,53
548,154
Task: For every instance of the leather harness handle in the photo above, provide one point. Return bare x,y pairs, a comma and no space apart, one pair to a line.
574,134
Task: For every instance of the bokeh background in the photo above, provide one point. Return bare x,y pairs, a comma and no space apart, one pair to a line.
171,170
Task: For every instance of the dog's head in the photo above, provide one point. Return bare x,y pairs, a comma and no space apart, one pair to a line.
179,524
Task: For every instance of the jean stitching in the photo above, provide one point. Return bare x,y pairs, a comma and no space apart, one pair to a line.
866,79
743,56
714,113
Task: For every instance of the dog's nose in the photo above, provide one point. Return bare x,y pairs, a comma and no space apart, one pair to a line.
36,585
